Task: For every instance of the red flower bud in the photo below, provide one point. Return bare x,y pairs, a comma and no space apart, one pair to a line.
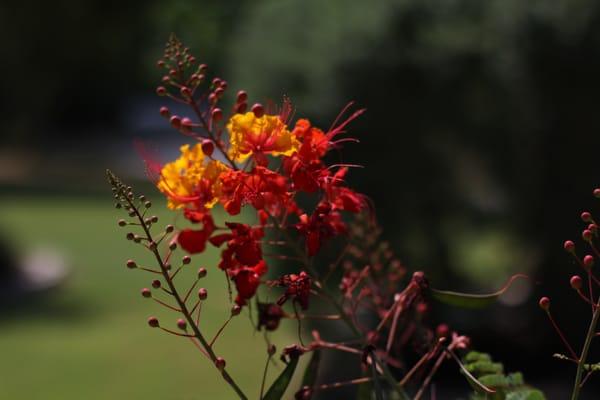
587,235
202,67
131,264
153,322
219,92
586,216
216,81
576,282
160,63
202,294
186,123
241,97
223,85
185,91
186,260
146,292
220,363
588,261
164,111
544,303
593,228
208,147
236,310
181,324
217,114
212,98
442,331
201,272
161,91
258,110
156,284
175,121
569,246
597,193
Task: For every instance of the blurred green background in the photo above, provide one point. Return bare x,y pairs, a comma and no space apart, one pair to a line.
480,145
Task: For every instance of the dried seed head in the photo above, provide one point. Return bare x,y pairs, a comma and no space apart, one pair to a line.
146,293
153,322
576,282
181,324
202,293
544,303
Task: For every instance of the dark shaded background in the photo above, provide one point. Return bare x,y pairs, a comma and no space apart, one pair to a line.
480,141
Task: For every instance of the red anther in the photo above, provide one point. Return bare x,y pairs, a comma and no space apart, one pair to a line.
569,246
153,322
185,92
146,292
576,282
207,147
241,108
181,324
586,216
217,115
219,92
544,303
258,110
220,363
588,261
202,272
586,235
156,284
164,111
241,97
202,293
202,67
131,264
212,98
175,121
161,91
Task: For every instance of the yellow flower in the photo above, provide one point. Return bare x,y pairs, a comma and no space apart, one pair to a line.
259,135
189,179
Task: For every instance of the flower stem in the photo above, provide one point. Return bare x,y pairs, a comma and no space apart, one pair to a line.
584,352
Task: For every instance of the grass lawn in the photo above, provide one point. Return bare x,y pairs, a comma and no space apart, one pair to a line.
89,338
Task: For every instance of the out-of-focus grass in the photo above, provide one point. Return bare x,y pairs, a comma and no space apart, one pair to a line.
89,338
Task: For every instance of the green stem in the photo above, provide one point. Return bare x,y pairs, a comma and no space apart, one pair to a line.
586,347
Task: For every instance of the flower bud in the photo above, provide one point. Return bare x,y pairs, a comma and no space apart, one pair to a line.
146,292
569,246
181,324
442,331
216,81
153,322
212,98
185,92
241,108
236,310
597,193
156,284
161,91
186,124
241,97
172,245
169,228
271,349
544,303
202,272
202,67
202,293
587,235
129,236
154,219
122,222
258,110
220,363
207,147
148,204
186,260
588,261
223,85
131,264
576,282
586,216
175,121
160,63
593,228
217,115
164,111
219,92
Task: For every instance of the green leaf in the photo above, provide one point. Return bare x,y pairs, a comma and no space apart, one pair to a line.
478,386
466,300
278,387
312,370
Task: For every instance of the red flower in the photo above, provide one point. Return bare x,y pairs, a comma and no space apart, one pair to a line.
323,224
246,281
269,316
297,288
341,197
194,241
243,248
